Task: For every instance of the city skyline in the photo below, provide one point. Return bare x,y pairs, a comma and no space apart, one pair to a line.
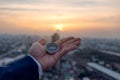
89,18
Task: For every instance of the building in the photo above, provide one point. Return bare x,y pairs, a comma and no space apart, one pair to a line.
55,37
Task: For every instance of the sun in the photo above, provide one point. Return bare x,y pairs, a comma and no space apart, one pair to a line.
59,27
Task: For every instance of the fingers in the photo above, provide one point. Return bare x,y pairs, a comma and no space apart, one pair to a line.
42,41
67,48
71,41
65,40
58,56
77,43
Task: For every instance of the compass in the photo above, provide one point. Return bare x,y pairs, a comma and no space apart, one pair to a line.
52,48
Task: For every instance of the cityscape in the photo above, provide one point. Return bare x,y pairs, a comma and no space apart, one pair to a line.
95,22
95,59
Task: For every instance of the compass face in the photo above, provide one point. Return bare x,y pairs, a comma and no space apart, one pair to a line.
52,48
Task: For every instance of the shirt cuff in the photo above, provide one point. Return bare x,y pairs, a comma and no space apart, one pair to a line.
39,65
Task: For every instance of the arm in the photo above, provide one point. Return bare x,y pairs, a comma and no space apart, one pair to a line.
28,67
24,69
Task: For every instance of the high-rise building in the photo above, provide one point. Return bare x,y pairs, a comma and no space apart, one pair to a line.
55,36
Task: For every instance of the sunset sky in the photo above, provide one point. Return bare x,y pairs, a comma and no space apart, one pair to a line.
87,18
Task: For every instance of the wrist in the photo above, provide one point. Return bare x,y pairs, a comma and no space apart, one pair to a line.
42,64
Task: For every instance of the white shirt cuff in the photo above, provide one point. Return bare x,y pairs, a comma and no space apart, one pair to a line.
39,65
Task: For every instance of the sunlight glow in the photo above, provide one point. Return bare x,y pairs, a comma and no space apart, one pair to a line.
59,27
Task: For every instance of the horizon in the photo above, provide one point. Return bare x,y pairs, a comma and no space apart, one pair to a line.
62,36
85,18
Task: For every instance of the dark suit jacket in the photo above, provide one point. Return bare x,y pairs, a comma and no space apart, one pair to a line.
24,69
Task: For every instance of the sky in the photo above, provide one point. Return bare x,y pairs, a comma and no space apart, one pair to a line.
86,18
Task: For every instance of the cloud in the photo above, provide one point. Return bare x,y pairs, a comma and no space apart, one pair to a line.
115,19
36,5
76,11
22,9
94,2
78,3
20,1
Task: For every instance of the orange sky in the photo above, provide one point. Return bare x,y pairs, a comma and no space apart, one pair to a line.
90,18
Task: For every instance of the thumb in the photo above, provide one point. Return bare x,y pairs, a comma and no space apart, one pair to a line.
42,41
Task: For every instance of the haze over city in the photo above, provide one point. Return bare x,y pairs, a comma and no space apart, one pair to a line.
94,49
87,18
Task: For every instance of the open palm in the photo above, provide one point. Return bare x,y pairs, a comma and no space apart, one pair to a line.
38,51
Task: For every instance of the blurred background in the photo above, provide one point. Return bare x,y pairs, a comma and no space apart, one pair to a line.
96,22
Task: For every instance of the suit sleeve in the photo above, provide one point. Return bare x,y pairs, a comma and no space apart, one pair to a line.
24,69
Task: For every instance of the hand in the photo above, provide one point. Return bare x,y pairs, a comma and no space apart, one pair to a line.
47,61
